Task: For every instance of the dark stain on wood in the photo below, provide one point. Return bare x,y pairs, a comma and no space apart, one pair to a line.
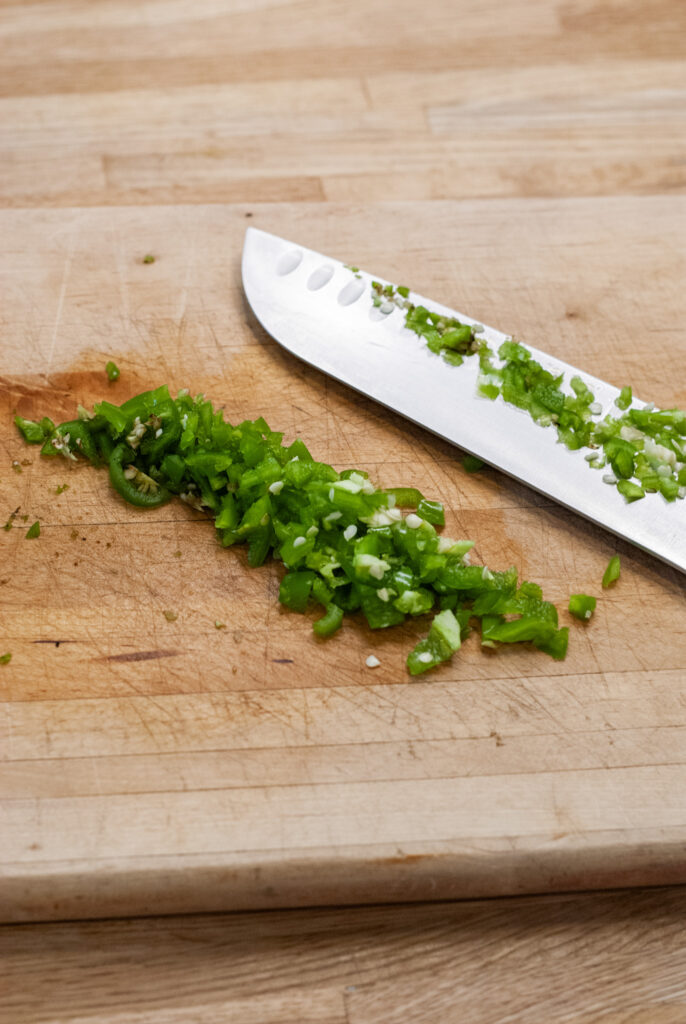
140,656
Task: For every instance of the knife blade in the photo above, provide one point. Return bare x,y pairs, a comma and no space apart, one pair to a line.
322,312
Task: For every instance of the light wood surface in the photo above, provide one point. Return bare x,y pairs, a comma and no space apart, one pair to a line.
168,101
149,766
612,958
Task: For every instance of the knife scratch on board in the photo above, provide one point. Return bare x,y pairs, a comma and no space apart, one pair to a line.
66,274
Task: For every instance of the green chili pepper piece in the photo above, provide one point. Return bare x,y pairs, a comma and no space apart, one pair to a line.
379,614
457,338
612,572
299,450
295,589
405,497
443,640
431,512
417,602
624,398
33,433
121,459
173,468
669,488
72,438
158,440
517,630
632,491
329,622
259,545
229,514
33,531
112,371
81,440
582,606
472,464
555,645
622,462
104,445
320,592
113,415
5,659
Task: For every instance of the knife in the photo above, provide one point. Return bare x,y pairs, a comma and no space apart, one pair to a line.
322,312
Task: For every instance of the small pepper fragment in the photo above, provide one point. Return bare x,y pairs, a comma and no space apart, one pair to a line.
126,485
33,433
71,438
630,490
472,464
624,398
612,572
582,606
33,531
330,621
443,640
431,511
112,370
295,590
405,497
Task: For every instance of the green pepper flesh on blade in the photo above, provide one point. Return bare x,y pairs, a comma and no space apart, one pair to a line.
644,447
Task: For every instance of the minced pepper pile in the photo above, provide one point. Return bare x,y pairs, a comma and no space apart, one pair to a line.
344,543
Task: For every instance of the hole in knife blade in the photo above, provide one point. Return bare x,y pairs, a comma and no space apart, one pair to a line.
288,262
351,292
319,277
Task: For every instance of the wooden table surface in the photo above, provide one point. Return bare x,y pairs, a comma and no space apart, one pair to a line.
545,120
609,958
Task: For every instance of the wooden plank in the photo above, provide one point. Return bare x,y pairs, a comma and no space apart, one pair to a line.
336,763
303,101
116,827
578,960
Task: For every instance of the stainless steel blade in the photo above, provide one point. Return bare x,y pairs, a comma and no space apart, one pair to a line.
321,312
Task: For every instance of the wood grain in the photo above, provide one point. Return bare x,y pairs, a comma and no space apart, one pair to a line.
612,958
167,101
155,766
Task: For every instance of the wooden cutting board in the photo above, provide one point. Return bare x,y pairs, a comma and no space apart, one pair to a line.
149,765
